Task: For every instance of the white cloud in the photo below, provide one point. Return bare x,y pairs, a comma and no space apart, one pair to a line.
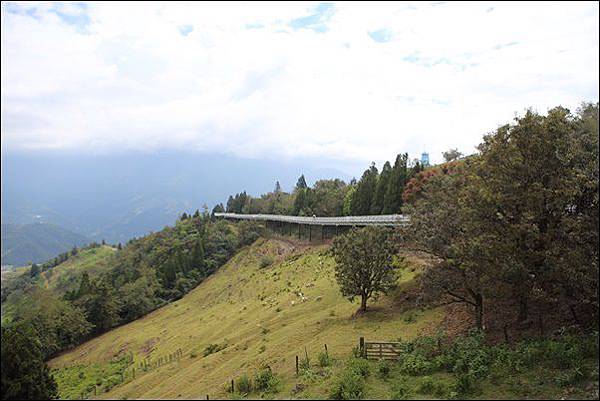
245,79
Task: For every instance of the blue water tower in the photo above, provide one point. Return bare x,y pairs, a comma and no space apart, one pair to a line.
425,159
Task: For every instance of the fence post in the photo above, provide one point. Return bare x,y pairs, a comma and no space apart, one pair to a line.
505,334
326,352
297,364
361,347
232,389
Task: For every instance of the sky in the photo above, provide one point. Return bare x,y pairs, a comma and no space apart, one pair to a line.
349,82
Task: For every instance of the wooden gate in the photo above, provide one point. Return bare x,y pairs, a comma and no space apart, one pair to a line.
379,350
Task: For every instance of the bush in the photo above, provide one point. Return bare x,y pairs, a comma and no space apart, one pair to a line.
323,359
427,386
464,384
265,261
244,384
359,366
265,380
213,348
383,367
416,365
400,391
350,386
570,377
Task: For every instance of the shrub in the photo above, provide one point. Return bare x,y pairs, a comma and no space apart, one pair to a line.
400,391
350,386
383,367
213,348
464,384
265,261
427,386
323,359
265,380
359,366
570,377
416,365
244,384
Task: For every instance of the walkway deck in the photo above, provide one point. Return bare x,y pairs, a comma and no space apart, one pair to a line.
378,220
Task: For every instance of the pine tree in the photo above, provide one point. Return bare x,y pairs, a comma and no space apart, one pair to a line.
301,183
35,270
392,202
197,261
365,190
85,287
382,186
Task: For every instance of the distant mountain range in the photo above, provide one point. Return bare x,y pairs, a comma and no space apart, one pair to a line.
37,242
117,197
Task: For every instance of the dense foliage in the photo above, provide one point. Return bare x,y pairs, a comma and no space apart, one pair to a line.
25,376
375,193
365,264
143,275
519,221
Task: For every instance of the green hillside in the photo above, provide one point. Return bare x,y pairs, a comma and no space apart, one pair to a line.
253,313
56,281
36,243
257,314
67,275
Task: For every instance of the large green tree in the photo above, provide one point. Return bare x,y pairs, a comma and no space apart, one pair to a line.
392,202
25,376
365,263
362,198
382,186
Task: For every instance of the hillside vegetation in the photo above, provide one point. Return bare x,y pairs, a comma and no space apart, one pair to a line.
274,301
259,313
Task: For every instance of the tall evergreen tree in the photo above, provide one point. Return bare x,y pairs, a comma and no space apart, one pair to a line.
382,186
301,183
34,271
362,198
392,202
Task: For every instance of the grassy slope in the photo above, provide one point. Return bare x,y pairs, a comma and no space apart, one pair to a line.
62,278
260,317
66,276
258,313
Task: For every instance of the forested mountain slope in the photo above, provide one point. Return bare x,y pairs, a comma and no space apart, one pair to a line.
36,243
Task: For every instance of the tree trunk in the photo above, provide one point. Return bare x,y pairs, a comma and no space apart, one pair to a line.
363,303
523,308
479,312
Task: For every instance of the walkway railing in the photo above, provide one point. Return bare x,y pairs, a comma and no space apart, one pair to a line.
376,220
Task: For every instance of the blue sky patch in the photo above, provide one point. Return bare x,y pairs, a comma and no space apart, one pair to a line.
185,30
79,20
317,21
254,26
381,35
